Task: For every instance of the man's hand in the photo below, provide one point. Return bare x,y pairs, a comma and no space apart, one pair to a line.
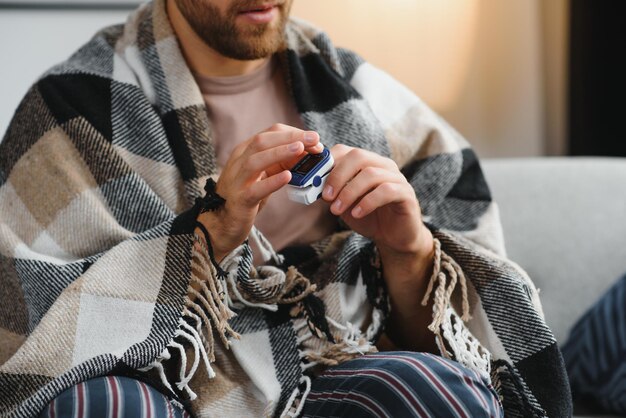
257,168
374,198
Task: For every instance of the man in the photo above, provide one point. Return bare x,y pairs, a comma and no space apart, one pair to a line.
116,272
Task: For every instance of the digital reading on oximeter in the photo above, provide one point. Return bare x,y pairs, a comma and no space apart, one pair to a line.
308,177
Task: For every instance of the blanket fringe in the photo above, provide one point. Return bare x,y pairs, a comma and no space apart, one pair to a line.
213,292
338,353
206,311
351,343
295,403
444,263
184,376
512,391
264,287
447,326
464,347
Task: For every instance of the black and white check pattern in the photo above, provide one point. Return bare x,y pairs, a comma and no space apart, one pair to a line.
98,172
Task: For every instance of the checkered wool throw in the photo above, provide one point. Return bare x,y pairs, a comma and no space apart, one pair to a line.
99,171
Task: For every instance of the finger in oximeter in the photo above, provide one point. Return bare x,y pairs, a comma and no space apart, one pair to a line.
308,177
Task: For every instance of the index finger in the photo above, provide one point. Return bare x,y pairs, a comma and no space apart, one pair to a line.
271,139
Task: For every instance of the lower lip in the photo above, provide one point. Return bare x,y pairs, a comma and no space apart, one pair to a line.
264,16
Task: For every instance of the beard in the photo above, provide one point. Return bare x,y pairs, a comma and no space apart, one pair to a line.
221,32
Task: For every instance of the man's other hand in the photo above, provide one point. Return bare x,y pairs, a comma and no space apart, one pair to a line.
374,198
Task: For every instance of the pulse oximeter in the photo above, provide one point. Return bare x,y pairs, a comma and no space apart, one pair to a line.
308,177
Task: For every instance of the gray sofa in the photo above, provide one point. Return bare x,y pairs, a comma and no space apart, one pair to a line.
565,223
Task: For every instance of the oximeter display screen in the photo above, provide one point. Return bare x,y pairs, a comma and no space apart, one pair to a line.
310,161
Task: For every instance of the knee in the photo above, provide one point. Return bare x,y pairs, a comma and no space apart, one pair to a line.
115,395
444,387
419,384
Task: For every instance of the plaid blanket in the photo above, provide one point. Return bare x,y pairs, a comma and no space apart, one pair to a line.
99,171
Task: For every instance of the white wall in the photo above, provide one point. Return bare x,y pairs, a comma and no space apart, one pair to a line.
501,106
494,69
31,41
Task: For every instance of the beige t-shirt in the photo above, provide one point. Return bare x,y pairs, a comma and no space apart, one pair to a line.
242,106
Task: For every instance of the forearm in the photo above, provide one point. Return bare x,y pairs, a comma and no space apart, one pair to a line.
407,276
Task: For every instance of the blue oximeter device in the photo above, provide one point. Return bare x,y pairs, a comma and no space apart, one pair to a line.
308,177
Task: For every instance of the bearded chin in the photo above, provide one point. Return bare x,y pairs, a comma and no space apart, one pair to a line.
222,34
254,44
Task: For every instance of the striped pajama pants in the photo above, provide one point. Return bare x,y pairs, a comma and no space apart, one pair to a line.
390,384
112,397
401,384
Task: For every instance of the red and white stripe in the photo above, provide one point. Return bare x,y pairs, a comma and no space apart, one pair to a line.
363,401
147,406
469,383
52,409
431,377
114,398
390,380
170,410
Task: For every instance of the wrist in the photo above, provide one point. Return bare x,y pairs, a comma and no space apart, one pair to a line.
416,260
407,275
212,224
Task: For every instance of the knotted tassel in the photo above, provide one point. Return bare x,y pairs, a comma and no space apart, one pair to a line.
443,264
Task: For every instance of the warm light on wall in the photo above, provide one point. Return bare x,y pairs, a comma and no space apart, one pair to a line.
426,44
